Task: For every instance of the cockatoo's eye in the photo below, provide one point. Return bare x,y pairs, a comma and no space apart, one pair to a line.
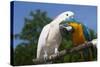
66,14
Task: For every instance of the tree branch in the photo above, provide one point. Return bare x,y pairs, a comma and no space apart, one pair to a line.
65,51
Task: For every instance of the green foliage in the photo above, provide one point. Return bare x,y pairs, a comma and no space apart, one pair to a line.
24,53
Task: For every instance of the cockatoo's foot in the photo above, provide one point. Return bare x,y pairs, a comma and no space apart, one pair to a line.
45,56
56,51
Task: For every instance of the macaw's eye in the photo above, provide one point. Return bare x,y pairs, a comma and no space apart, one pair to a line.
66,14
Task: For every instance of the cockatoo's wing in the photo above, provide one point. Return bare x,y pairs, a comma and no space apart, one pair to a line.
42,39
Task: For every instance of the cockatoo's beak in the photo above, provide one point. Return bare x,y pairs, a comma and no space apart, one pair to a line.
71,18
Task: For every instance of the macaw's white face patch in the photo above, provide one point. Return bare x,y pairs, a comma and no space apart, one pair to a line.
68,28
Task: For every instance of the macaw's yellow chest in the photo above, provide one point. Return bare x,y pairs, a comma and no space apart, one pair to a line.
77,35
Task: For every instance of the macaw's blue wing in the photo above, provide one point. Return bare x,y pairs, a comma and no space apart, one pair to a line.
86,32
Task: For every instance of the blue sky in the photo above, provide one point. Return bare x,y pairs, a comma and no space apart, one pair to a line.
84,14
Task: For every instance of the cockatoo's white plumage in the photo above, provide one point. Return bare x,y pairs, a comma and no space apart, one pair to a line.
50,37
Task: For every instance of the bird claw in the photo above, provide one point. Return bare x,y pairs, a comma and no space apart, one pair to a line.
56,51
45,56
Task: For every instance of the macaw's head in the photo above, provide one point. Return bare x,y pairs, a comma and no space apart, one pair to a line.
66,28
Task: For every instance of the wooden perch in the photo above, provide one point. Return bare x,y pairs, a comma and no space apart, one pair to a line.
65,51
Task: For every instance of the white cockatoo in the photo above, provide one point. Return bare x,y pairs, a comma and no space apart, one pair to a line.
50,37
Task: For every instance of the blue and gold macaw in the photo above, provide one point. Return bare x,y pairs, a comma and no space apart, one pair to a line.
80,34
